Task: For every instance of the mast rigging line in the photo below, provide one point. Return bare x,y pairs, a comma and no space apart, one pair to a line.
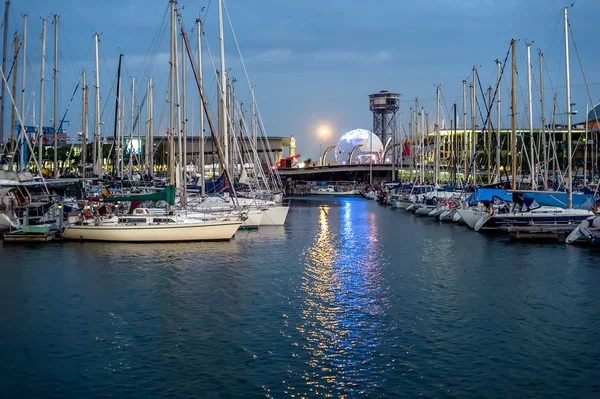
489,111
228,182
67,109
587,88
259,116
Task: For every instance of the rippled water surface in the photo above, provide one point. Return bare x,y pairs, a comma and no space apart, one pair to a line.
349,299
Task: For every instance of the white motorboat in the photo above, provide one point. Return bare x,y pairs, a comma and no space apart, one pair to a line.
331,190
142,226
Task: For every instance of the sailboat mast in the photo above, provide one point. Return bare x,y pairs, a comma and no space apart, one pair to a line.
465,141
414,138
97,150
56,121
426,133
117,115
13,115
543,127
223,89
132,119
172,97
184,121
530,108
437,137
178,115
489,137
473,122
42,79
122,137
3,89
23,134
454,147
568,92
553,131
84,123
498,122
585,146
253,119
513,112
149,161
201,132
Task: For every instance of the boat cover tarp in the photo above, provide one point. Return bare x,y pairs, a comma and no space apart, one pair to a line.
486,194
560,199
168,194
211,186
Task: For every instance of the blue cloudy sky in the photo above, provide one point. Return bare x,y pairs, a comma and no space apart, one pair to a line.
314,62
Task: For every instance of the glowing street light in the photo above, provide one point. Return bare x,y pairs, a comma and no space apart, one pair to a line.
323,132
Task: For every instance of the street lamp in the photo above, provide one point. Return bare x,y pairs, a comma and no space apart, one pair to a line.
323,132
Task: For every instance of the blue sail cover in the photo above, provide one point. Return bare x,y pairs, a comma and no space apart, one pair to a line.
560,199
212,187
486,194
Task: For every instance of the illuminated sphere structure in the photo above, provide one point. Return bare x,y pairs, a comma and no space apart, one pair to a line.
349,142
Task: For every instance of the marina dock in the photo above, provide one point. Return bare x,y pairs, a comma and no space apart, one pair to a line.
22,237
539,232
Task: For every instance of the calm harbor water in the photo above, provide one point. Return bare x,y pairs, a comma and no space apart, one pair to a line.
349,299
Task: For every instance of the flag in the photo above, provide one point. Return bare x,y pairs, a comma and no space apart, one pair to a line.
106,193
406,148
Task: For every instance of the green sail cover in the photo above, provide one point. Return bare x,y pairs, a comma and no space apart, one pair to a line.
168,194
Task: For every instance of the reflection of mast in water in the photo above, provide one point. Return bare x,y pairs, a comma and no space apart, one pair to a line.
343,305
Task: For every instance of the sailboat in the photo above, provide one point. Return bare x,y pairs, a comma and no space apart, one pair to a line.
526,211
144,226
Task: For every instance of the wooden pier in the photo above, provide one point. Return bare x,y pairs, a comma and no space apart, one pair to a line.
20,236
549,232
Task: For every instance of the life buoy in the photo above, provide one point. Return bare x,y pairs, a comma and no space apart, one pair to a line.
453,204
491,211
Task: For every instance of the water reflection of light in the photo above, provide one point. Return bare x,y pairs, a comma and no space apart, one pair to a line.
343,305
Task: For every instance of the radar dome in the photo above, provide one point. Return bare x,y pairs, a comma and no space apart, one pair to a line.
369,144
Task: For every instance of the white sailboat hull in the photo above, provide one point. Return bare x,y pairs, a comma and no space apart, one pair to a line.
437,211
424,210
471,216
274,215
403,204
447,216
209,231
372,195
253,216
